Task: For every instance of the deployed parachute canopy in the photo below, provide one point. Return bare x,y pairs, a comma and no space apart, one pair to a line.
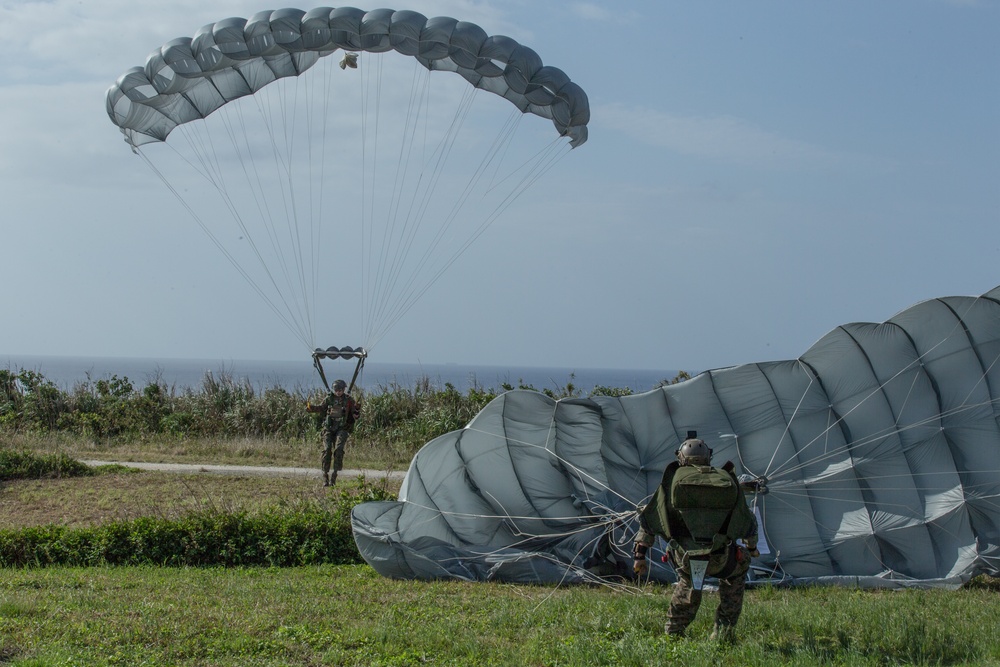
876,456
350,188
188,78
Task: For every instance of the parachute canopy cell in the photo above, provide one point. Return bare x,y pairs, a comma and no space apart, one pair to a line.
188,78
881,447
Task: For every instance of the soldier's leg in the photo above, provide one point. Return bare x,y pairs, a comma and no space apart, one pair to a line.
327,455
684,604
731,592
338,450
339,443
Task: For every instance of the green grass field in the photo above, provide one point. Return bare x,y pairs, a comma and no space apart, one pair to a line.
348,615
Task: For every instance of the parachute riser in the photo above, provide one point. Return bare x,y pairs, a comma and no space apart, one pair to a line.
339,353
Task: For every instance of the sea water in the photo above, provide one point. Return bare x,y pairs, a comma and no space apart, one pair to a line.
66,372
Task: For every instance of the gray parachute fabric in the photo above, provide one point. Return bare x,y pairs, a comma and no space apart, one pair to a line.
188,78
881,447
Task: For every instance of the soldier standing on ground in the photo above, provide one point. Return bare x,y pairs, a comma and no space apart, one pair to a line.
700,511
341,412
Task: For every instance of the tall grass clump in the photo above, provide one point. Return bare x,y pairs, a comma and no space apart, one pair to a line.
27,465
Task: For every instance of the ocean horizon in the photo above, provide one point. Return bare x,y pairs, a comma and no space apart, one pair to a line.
66,372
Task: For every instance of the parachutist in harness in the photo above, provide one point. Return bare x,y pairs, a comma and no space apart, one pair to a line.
701,512
340,410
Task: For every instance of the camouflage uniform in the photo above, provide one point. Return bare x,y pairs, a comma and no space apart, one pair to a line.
341,413
686,599
701,519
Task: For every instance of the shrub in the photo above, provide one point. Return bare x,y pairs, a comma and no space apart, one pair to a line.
309,533
26,465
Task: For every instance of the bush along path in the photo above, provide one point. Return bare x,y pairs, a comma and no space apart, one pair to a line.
309,532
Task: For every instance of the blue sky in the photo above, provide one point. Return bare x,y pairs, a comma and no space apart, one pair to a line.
757,174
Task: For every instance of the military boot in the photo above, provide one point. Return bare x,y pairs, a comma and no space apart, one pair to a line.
724,634
326,479
333,478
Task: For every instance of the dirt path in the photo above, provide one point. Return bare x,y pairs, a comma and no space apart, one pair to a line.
263,471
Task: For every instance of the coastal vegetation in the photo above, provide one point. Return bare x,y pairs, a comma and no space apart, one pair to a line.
227,419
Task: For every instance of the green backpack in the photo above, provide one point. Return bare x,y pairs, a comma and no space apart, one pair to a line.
705,497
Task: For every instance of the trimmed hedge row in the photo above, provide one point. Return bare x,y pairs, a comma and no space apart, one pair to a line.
307,536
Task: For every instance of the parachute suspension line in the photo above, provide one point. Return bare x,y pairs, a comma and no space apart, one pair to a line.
204,150
389,261
317,218
788,426
218,244
836,453
959,325
367,192
232,116
293,227
877,390
418,290
423,193
245,151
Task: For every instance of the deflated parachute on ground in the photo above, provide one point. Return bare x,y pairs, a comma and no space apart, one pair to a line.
880,446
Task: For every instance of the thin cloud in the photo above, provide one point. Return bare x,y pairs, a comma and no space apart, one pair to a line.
720,138
591,11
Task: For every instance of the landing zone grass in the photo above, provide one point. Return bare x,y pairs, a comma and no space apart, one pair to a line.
348,615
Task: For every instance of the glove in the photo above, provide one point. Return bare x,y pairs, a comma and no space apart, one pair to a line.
752,548
639,564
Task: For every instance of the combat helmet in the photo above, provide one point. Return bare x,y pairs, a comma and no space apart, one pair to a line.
694,451
339,384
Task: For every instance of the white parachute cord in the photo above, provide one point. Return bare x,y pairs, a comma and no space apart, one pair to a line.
212,170
959,325
289,324
267,219
418,289
417,210
293,226
204,153
448,221
397,241
874,392
837,453
394,283
784,434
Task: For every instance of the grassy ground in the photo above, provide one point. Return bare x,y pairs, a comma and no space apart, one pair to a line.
86,501
348,615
